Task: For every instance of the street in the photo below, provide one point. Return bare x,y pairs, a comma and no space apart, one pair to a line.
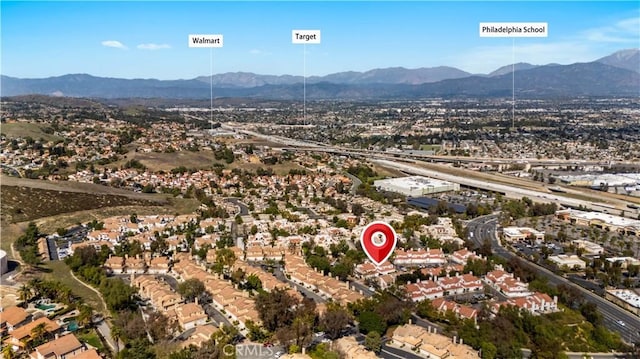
215,315
484,228
103,328
304,291
244,210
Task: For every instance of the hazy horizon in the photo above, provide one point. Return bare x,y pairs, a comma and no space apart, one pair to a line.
148,40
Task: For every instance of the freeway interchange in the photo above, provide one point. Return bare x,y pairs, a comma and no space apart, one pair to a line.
408,163
614,317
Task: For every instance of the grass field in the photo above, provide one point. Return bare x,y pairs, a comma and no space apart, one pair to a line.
167,161
9,232
91,338
387,172
430,147
61,272
24,129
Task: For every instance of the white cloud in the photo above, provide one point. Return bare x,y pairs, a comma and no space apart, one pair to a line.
114,43
258,52
625,30
153,46
486,59
583,46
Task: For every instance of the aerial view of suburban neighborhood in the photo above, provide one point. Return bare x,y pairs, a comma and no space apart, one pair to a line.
307,180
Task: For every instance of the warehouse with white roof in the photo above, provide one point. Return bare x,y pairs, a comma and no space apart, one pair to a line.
415,186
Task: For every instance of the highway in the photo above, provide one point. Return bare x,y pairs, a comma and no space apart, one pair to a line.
510,191
408,164
318,146
484,228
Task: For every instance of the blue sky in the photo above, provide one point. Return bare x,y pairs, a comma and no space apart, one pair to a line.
149,39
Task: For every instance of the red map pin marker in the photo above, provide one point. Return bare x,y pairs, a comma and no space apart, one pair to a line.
378,241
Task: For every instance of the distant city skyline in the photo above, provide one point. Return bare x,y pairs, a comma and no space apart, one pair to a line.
149,39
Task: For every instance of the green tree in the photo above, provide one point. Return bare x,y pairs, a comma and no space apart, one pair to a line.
25,293
8,353
322,351
256,332
224,260
276,309
371,322
191,289
489,350
373,342
85,315
253,282
38,335
334,320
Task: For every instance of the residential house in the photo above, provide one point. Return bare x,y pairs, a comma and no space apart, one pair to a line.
419,257
424,289
463,255
506,284
460,310
114,264
19,337
350,349
12,318
60,348
87,354
158,265
190,315
415,339
368,269
200,335
460,284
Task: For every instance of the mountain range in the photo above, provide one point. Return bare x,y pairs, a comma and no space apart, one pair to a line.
615,75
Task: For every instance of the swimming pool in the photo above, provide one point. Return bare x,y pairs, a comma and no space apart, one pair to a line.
45,306
72,326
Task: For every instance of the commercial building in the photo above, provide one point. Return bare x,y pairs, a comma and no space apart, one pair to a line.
589,247
601,220
571,261
520,233
625,298
599,180
624,261
415,186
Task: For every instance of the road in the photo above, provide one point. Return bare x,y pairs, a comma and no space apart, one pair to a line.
277,272
509,190
400,161
389,352
295,144
312,214
105,331
361,287
356,182
425,323
484,228
244,210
